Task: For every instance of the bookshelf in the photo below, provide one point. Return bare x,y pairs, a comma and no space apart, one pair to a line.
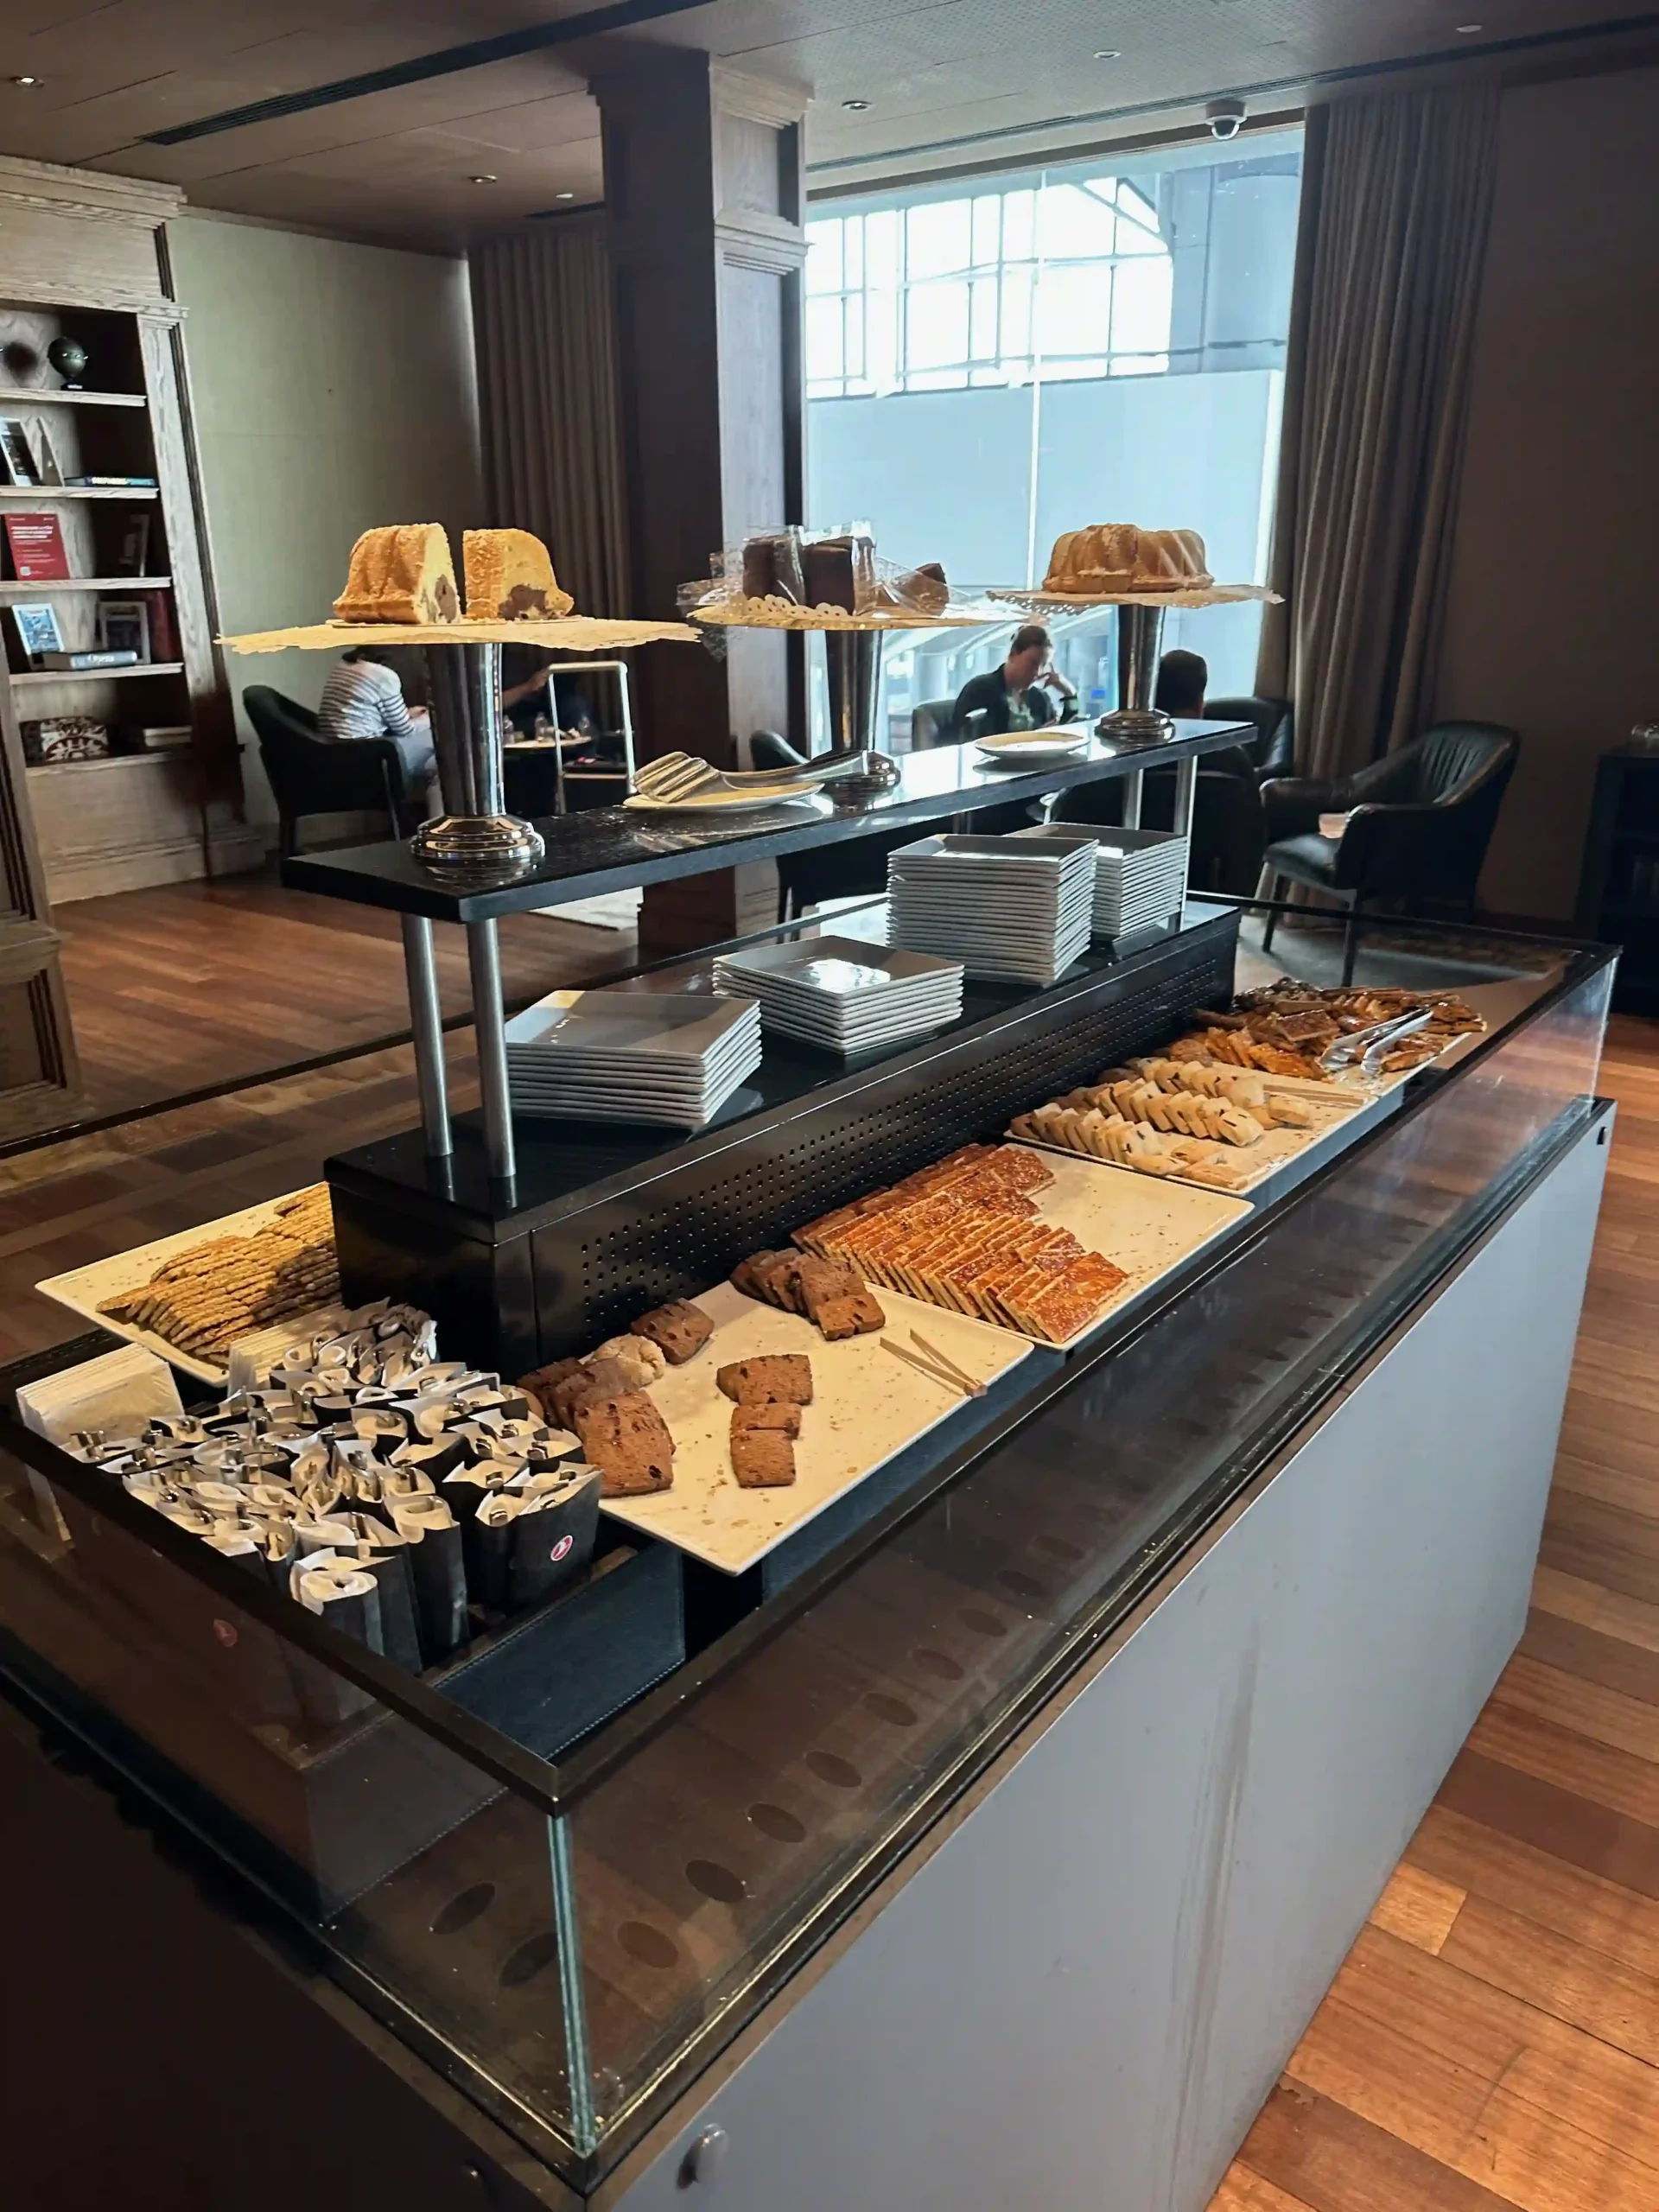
84,256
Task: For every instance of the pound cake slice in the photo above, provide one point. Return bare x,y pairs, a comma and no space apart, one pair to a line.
510,578
402,573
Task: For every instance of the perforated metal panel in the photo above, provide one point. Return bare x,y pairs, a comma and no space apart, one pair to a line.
674,1235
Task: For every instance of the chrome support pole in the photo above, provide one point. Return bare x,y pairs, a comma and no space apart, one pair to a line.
426,1021
1133,785
489,1027
1187,792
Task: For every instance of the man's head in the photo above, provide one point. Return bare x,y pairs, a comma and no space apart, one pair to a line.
1026,656
1183,679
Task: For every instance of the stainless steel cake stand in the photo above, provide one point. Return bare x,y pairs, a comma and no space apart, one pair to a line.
1135,720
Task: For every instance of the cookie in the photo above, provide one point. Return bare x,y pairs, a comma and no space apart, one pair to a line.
627,1440
679,1329
762,1458
780,1415
856,1315
775,1376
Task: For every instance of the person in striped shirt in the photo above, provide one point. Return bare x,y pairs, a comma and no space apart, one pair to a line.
363,698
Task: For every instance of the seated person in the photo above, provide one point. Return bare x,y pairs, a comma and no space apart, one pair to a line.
1183,679
1013,697
526,671
364,698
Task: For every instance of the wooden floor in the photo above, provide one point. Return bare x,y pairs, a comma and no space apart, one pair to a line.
194,984
1493,2038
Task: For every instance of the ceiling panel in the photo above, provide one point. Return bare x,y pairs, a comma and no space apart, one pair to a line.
997,73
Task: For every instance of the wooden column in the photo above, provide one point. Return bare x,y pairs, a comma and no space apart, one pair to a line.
703,182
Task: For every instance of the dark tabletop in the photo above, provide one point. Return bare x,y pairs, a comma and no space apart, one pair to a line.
611,849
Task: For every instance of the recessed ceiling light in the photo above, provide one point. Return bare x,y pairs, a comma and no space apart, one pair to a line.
856,107
26,80
1110,54
488,177
564,195
1468,30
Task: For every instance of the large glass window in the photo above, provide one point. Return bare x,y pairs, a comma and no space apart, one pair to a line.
991,363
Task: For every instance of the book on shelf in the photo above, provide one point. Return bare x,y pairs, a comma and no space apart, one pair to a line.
113,483
134,557
170,737
74,662
35,544
164,630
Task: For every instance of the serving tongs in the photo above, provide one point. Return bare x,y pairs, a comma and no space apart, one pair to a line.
1370,1045
675,777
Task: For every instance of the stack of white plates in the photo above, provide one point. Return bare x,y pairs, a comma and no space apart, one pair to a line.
632,1056
1140,874
843,993
1007,906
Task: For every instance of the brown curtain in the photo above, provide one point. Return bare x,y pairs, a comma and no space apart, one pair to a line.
1396,201
543,321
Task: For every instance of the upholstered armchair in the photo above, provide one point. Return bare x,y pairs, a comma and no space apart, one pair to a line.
1273,749
1418,824
308,775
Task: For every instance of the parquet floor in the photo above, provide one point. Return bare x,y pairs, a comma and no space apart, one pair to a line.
1492,2040
194,984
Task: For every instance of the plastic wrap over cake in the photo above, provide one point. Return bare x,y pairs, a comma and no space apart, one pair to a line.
788,577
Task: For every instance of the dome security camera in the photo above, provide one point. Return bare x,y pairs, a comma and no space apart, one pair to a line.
1225,117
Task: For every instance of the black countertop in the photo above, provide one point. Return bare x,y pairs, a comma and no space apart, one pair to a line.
611,849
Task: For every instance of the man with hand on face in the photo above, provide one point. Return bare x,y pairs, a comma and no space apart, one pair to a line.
1013,697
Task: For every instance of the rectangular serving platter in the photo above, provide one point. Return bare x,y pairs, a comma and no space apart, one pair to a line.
867,1407
1273,1151
82,1288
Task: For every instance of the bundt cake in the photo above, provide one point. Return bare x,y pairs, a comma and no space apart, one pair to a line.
1116,557
401,574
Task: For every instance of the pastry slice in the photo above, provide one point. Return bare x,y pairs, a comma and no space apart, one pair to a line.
510,578
401,574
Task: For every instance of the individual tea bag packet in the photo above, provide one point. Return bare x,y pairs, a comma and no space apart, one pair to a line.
386,1554
436,1561
383,1428
425,1462
348,1599
323,1534
487,1539
553,1537
223,1497
319,1499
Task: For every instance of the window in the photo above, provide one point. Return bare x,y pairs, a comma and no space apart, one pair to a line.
1072,278
990,363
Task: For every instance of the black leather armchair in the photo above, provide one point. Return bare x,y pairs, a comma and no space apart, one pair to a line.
1273,749
309,776
934,722
1419,824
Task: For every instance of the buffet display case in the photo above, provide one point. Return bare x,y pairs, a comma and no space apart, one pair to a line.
578,1867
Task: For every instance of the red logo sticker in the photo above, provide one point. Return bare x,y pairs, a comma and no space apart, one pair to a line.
561,1549
225,1633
